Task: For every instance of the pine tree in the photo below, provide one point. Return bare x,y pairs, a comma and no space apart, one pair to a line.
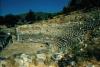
30,17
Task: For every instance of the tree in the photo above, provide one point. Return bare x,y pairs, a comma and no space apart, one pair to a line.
64,10
81,4
50,16
30,16
1,20
11,20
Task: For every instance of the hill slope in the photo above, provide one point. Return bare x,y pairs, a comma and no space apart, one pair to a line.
76,34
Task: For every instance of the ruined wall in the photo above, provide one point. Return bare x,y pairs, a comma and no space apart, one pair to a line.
38,32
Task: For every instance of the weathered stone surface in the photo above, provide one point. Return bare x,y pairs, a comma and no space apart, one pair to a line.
23,60
57,56
41,57
3,63
5,39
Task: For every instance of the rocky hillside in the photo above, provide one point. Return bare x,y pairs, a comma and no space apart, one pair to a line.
58,42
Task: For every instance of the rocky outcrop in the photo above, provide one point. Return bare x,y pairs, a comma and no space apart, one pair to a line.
5,39
38,60
26,60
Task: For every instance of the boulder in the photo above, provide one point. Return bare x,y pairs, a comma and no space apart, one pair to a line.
23,60
57,56
41,57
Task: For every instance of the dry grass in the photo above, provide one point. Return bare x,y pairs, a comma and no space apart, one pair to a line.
91,62
16,48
